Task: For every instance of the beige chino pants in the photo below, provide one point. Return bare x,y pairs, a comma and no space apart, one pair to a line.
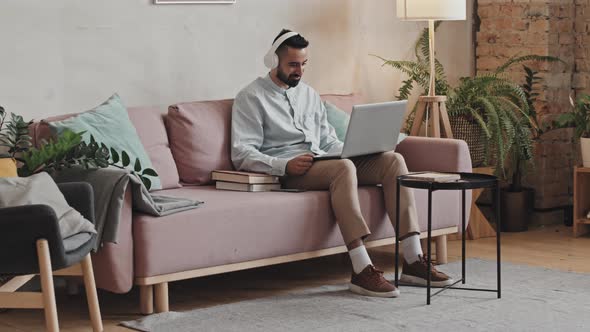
342,177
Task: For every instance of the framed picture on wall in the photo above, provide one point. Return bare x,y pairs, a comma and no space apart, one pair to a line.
176,2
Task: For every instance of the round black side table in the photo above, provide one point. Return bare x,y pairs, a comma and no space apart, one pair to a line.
468,181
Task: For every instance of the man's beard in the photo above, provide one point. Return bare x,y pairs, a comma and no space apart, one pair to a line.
290,80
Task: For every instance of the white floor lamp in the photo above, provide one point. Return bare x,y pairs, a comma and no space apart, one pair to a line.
432,10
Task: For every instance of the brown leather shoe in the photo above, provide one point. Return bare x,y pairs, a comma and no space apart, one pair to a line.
417,274
370,282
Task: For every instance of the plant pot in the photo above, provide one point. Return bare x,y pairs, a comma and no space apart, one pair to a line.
468,130
585,147
516,209
7,168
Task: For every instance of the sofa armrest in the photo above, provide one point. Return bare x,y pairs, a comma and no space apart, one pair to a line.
113,263
435,154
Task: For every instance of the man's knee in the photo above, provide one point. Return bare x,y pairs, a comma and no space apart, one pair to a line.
345,165
396,162
393,157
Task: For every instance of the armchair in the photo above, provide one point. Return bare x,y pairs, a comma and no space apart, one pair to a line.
30,244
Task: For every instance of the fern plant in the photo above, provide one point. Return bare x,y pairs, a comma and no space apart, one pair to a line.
500,107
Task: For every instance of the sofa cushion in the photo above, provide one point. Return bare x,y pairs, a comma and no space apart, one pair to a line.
224,229
149,123
344,102
199,135
109,124
338,119
230,222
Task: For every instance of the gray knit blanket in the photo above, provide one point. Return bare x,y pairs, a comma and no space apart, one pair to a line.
109,186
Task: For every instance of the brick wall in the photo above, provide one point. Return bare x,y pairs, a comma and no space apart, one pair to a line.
542,27
581,82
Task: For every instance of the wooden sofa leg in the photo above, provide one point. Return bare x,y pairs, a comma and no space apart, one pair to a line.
92,297
46,276
161,300
441,249
146,299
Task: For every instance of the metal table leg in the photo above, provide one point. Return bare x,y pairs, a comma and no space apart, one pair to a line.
429,245
498,231
463,236
397,235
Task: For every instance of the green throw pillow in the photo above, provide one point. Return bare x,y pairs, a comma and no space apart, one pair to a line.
339,120
109,124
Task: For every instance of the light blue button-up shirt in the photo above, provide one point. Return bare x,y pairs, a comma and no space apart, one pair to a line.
272,125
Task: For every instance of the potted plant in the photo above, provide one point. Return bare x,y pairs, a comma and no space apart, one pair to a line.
492,103
518,201
579,119
494,115
14,139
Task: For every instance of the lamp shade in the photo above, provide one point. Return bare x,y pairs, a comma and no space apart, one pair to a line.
438,10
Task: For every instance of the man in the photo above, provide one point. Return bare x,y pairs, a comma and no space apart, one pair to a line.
278,123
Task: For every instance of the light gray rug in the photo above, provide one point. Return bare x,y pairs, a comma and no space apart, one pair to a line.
533,299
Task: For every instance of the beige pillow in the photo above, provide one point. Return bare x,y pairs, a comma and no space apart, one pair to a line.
41,189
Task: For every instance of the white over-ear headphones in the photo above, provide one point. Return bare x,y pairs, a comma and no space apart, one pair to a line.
271,59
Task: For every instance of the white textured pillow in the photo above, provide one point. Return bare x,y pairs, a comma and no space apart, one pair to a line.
41,189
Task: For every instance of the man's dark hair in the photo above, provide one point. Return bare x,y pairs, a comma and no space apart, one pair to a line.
297,41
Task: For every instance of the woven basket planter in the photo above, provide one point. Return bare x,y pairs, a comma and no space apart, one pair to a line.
469,131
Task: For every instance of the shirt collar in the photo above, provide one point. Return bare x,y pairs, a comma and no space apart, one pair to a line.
291,92
273,86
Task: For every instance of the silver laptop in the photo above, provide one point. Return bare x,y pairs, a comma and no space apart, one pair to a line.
373,128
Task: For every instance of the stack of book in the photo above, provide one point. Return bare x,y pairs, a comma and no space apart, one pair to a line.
244,181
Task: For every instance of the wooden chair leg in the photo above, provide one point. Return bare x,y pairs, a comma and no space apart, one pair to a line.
146,299
161,297
48,292
92,297
441,249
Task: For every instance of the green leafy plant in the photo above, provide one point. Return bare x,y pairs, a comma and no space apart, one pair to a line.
14,134
530,88
521,154
497,105
578,118
66,151
69,150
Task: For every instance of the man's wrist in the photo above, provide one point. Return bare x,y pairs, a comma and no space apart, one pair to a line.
279,166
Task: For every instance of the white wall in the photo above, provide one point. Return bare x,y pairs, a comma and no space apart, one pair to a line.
64,56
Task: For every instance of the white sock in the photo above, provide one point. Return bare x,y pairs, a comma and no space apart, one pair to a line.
411,248
360,259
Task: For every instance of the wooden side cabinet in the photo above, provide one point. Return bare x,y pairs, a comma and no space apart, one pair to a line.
581,200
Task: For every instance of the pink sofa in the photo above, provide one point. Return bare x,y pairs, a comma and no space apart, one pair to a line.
237,230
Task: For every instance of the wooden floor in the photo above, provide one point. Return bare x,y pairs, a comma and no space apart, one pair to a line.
549,246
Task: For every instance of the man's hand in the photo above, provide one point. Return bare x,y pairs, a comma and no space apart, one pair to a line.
299,165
